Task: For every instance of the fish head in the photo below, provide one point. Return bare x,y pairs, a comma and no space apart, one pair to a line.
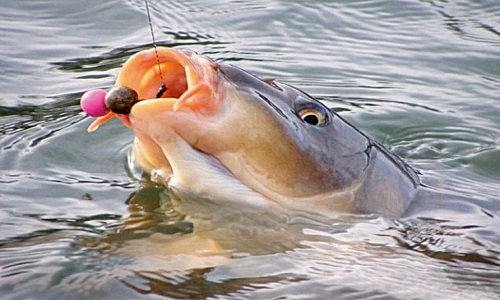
221,132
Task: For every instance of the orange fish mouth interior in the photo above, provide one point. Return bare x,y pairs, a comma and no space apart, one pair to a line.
186,76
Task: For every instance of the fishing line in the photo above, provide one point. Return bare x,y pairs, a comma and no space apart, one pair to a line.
163,87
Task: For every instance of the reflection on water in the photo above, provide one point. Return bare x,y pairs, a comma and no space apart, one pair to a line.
422,78
156,249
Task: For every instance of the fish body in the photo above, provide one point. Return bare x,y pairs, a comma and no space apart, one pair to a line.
219,132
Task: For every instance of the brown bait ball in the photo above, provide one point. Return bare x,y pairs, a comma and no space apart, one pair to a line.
120,99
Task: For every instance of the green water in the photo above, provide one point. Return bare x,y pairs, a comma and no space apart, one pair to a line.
422,77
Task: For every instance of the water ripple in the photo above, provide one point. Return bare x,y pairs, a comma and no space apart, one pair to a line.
422,78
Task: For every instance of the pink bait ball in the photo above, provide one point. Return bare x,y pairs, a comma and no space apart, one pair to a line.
92,103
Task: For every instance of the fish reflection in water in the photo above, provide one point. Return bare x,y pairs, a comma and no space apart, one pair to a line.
167,252
170,248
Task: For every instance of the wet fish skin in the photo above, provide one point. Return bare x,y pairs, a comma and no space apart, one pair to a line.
343,155
219,132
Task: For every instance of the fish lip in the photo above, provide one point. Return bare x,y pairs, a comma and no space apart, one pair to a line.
199,74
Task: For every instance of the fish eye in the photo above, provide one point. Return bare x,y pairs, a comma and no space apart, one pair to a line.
310,111
312,116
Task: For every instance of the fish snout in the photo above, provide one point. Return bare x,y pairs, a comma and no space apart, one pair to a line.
183,78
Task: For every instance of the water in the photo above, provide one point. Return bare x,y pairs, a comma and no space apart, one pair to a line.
422,77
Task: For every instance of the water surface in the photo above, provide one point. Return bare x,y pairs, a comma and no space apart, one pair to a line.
422,77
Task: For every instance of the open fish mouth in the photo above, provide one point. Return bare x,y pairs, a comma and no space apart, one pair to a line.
188,81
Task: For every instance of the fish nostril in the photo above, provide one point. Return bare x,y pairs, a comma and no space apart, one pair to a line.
120,99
